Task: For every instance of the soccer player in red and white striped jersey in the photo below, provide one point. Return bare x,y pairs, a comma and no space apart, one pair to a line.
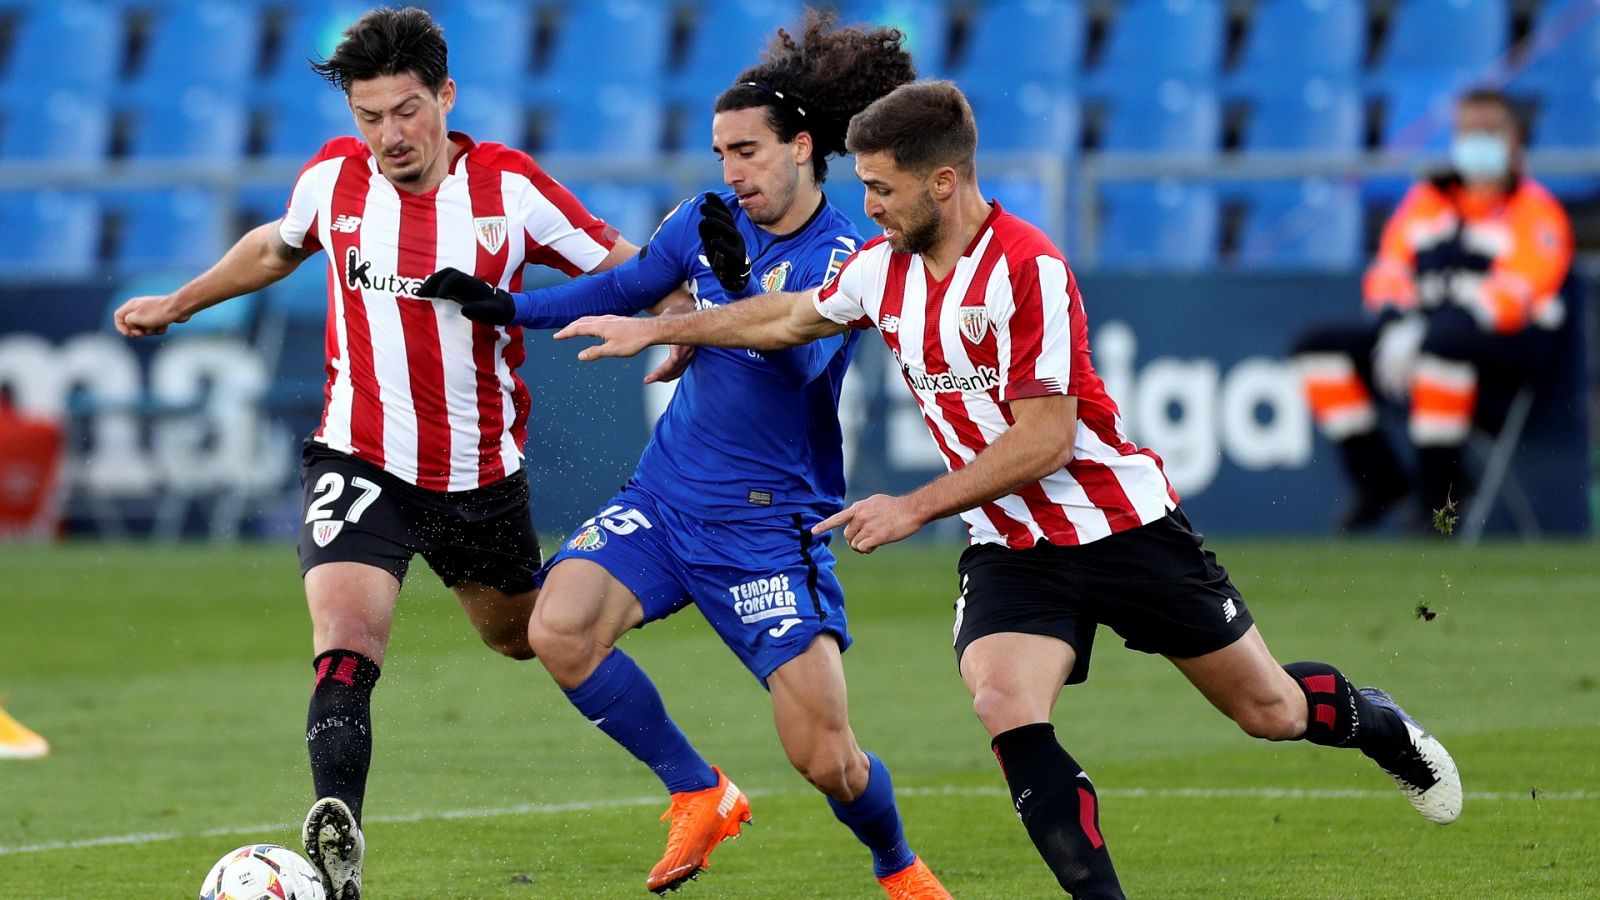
1072,526
420,445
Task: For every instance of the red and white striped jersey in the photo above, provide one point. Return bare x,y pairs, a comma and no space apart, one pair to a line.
1005,324
413,386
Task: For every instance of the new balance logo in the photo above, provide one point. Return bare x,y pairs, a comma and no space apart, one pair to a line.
890,325
346,224
1229,611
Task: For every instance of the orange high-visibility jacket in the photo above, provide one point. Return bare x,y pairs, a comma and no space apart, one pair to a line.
1501,256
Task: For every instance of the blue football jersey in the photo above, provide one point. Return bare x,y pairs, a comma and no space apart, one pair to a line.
752,433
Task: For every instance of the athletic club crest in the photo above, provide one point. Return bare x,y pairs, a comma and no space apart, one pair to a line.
776,277
491,232
324,532
590,538
974,323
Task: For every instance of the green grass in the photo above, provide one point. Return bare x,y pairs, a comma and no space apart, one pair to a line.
172,684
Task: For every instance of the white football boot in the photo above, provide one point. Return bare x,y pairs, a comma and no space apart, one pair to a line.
1425,773
335,846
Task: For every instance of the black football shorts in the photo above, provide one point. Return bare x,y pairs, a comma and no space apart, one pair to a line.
1156,586
354,511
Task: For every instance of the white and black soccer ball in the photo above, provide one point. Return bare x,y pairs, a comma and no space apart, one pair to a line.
262,872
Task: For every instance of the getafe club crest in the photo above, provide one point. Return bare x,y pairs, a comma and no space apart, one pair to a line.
491,232
324,532
590,538
974,323
776,277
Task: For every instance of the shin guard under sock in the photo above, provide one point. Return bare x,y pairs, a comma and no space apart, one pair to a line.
1338,716
619,698
875,820
339,726
1058,806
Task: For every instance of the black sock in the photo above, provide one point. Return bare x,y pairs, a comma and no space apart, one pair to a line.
1058,807
1338,716
339,726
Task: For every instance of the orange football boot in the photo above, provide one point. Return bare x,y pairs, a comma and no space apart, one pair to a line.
700,821
914,882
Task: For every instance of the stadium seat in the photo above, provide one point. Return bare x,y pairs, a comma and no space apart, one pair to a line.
727,39
219,40
49,235
615,120
311,33
631,208
1177,118
1155,40
1570,120
1168,225
1024,39
1434,38
72,44
61,127
1418,114
1317,115
1292,40
491,43
179,231
1026,117
197,126
295,130
1314,224
926,27
489,116
1562,47
637,34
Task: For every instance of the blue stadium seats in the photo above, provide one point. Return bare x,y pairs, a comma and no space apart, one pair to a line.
217,42
1314,224
312,33
49,234
613,120
1155,40
72,44
633,51
58,126
926,27
1177,118
491,43
196,125
1318,115
1563,47
727,39
1024,39
1569,119
1162,225
1432,38
1026,117
182,230
632,209
486,115
1419,112
1292,40
297,128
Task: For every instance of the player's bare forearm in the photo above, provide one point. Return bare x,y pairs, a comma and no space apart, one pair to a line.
256,260
766,322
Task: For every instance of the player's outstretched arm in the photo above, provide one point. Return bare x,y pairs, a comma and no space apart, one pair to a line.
1038,443
767,322
255,261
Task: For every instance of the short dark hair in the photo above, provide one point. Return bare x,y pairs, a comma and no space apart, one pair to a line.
815,82
387,42
1488,96
923,125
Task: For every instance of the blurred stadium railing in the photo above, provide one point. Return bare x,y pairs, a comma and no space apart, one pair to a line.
1237,154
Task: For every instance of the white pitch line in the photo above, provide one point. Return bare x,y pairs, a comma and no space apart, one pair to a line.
524,809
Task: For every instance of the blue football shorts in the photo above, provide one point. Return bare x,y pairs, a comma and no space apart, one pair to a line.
766,585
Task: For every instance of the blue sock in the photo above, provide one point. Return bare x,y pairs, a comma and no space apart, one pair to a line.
876,821
622,700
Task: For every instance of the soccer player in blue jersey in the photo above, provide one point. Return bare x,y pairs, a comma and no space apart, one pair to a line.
746,458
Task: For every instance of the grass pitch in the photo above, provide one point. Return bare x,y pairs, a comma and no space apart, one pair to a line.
172,683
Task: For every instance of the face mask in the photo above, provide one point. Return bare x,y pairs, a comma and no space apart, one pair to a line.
1481,155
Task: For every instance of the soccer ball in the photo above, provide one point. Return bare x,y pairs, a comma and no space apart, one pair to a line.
262,872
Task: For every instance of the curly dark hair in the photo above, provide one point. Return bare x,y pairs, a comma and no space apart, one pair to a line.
387,42
815,84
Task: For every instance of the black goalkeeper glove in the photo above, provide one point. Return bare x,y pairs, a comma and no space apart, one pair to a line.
480,301
723,244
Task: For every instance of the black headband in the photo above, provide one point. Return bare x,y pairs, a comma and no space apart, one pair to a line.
788,100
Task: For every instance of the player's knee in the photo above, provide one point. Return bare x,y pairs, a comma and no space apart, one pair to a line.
513,643
1002,707
832,770
1274,718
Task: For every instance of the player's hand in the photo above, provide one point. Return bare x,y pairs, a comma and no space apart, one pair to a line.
144,316
480,301
619,335
723,244
873,522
